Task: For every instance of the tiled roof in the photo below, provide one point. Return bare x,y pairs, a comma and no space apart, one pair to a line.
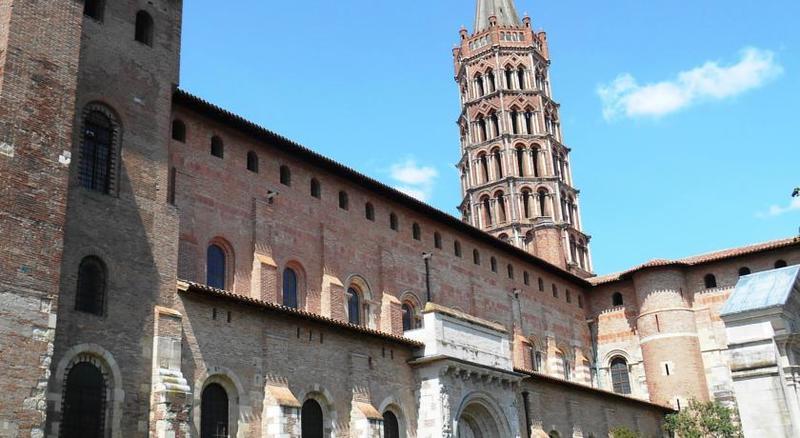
207,291
591,389
699,259
237,122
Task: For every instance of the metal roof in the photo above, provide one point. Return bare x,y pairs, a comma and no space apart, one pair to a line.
762,291
504,10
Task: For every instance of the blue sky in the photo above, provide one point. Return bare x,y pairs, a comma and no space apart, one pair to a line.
682,115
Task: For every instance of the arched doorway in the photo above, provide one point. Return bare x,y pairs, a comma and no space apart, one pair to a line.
214,412
84,403
311,420
391,427
476,421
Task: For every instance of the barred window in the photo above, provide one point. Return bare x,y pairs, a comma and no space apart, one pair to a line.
97,152
91,292
619,376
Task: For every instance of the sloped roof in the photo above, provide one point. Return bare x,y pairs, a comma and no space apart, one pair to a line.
762,291
504,10
698,259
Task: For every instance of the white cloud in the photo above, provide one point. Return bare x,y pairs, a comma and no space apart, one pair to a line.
777,210
711,81
413,179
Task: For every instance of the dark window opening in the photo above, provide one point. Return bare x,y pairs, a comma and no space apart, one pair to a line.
217,147
416,232
286,175
96,152
780,264
744,271
393,223
526,278
541,285
315,189
179,131
510,272
619,376
369,211
91,292
391,428
94,9
344,201
311,420
408,317
214,412
252,162
437,240
353,306
555,291
144,28
457,248
84,403
710,281
476,257
493,264
215,267
616,299
290,288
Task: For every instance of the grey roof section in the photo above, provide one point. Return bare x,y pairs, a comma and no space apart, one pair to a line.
504,10
762,291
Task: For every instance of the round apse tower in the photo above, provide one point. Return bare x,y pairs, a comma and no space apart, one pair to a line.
668,338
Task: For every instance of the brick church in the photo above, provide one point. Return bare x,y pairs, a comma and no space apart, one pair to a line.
171,269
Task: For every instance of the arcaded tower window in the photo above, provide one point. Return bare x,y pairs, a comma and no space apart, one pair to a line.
91,292
94,9
144,28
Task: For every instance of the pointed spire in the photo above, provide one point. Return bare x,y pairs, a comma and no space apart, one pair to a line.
504,10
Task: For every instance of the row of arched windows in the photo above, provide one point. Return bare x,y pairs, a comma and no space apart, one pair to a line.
492,165
493,210
710,280
519,121
511,78
143,28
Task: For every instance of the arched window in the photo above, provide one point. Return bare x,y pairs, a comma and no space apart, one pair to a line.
416,232
510,269
215,267
315,188
286,175
84,404
501,207
353,306
252,161
476,257
509,78
555,291
710,281
391,428
479,84
409,316
311,420
393,222
144,28
616,299
498,162
484,133
369,211
94,9
437,240
529,122
538,360
179,130
526,203
484,167
214,412
493,264
217,147
97,152
457,248
514,121
91,291
290,288
487,211
490,81
520,161
543,211
619,376
744,271
344,201
526,278
521,77
780,264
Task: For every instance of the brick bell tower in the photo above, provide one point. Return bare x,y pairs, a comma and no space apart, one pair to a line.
516,176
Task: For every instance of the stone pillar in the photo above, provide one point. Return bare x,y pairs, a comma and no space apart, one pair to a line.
172,397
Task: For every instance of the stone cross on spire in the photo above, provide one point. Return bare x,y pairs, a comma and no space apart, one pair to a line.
504,10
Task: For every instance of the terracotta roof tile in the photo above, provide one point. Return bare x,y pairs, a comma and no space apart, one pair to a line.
201,289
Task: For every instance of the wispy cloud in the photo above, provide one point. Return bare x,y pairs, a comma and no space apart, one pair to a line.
413,179
778,210
625,97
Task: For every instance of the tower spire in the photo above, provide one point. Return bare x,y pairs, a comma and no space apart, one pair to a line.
504,10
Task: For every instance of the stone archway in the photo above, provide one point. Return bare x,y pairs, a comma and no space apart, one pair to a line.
478,420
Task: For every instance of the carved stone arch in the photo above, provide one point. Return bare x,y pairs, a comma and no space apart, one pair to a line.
239,406
479,409
617,352
112,376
